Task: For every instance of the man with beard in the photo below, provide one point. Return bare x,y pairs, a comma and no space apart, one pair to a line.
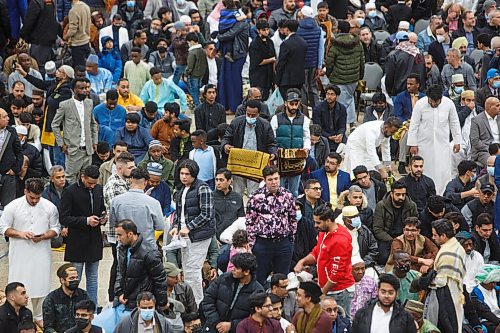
332,180
473,259
17,93
477,206
136,137
312,318
37,100
23,65
149,115
209,113
155,154
163,130
154,34
262,60
402,270
332,255
291,129
365,287
116,31
389,216
384,314
162,59
130,101
419,187
57,91
373,189
362,144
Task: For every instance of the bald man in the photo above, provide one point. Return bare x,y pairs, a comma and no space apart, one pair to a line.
253,94
484,130
11,159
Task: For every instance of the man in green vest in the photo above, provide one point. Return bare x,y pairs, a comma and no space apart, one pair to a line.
291,129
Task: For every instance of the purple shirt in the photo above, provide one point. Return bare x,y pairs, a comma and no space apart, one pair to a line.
365,290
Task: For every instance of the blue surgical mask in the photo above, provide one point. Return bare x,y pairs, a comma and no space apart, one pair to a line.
372,13
298,215
496,84
181,2
130,3
458,90
251,121
147,314
356,222
361,21
473,178
491,170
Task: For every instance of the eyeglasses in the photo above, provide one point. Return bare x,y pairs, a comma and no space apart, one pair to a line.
269,306
316,188
283,287
411,230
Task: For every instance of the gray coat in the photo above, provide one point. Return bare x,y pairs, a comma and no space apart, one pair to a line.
481,137
67,119
128,323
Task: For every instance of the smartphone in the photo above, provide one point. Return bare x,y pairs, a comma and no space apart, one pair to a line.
14,65
38,235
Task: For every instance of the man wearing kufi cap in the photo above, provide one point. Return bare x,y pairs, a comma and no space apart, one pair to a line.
473,259
157,188
101,79
485,296
457,87
468,108
155,154
416,310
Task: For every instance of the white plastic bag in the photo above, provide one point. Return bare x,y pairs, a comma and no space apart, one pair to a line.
177,242
274,101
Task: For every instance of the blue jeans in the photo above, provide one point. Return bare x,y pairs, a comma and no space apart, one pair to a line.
272,256
179,70
194,89
91,274
57,156
211,183
344,299
291,184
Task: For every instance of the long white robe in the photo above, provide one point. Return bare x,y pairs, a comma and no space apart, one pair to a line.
430,131
361,147
29,262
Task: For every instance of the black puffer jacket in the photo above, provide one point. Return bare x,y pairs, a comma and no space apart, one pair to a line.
144,272
399,65
40,17
218,298
401,321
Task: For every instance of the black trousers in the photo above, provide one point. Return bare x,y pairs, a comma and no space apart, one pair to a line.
112,274
79,54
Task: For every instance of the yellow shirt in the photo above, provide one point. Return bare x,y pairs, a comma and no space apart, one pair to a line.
332,185
132,100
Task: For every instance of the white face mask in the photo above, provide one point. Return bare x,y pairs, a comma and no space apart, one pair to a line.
440,39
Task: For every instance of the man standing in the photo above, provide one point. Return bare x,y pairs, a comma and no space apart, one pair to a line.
163,130
78,34
291,129
262,60
454,66
291,61
332,116
312,318
82,212
445,308
23,65
79,140
109,167
11,159
139,269
389,216
333,181
243,133
271,225
148,216
195,222
332,255
361,147
209,114
58,307
312,33
484,130
419,187
384,314
30,222
432,120
345,65
228,204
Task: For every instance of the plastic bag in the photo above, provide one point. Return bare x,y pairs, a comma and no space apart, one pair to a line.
177,242
109,318
274,101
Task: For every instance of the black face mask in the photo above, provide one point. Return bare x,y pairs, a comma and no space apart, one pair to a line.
197,329
81,323
379,108
73,285
161,49
404,268
282,36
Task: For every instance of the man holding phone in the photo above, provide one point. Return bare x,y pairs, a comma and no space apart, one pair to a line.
30,222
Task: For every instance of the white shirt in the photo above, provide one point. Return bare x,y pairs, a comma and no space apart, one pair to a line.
473,264
212,71
183,204
80,107
380,320
490,298
493,126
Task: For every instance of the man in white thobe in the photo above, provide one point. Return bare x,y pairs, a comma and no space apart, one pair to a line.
429,135
361,146
30,222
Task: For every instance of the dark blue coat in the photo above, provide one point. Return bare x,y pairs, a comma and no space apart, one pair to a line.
321,116
343,182
311,32
402,105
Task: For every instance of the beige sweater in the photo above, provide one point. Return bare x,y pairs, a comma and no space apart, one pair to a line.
79,24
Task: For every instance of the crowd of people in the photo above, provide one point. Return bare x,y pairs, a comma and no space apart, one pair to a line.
121,126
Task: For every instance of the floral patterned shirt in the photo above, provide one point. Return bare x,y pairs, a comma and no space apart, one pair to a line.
270,215
365,290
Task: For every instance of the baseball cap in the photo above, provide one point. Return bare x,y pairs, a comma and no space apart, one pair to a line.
487,188
171,269
292,96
